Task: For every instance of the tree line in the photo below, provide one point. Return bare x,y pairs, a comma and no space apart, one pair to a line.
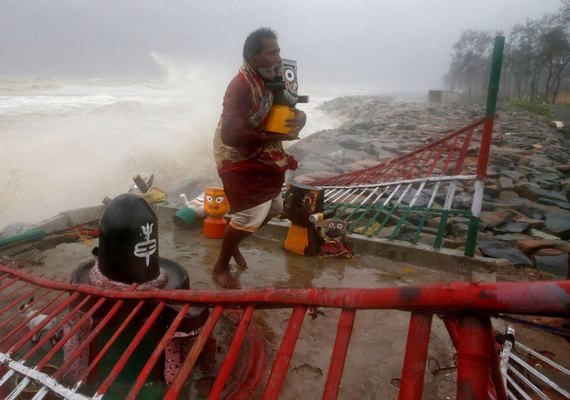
536,63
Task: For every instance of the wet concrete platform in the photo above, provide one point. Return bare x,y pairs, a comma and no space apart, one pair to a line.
375,357
374,362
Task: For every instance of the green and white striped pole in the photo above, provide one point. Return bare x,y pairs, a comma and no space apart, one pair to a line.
487,133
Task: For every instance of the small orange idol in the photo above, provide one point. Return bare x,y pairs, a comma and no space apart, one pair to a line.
215,206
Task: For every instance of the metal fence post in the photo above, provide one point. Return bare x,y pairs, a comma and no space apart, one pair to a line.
474,351
485,144
412,382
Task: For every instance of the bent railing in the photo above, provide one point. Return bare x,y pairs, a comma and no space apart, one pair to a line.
466,309
403,193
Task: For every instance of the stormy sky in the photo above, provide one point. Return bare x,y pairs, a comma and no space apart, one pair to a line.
370,44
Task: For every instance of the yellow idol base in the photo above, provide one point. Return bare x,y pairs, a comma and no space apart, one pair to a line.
297,239
277,117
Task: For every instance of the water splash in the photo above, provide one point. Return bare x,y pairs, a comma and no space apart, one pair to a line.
69,144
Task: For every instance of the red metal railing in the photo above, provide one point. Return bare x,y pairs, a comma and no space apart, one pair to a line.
466,309
445,156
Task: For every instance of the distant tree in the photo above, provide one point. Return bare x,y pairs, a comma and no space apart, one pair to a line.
522,57
536,59
470,61
565,12
554,58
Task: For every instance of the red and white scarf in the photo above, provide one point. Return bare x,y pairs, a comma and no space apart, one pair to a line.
262,98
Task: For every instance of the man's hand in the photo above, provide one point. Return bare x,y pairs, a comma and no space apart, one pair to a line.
296,124
293,124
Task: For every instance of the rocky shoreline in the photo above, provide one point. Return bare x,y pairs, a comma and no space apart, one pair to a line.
526,210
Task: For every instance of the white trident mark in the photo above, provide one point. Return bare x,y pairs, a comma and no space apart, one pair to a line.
148,247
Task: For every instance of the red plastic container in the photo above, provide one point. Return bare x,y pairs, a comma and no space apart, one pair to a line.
214,227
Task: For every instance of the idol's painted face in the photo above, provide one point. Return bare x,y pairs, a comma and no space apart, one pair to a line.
215,204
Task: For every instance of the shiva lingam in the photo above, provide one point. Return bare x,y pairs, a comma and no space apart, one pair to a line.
127,255
215,206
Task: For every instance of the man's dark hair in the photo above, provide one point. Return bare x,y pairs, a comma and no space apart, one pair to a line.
254,41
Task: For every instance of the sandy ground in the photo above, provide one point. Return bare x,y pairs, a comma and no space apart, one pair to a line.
375,357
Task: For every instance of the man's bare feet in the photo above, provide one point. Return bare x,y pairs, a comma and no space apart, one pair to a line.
238,258
225,278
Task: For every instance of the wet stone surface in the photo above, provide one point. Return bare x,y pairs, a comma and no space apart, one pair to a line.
377,346
375,357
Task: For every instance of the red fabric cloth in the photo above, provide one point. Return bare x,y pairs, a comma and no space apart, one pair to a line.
237,130
336,248
251,172
247,189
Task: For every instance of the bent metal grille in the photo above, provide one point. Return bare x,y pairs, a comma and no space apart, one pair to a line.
33,340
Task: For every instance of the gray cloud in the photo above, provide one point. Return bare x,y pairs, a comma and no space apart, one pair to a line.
380,44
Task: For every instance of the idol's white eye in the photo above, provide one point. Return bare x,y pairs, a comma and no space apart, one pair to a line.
289,75
209,199
338,226
219,200
331,225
